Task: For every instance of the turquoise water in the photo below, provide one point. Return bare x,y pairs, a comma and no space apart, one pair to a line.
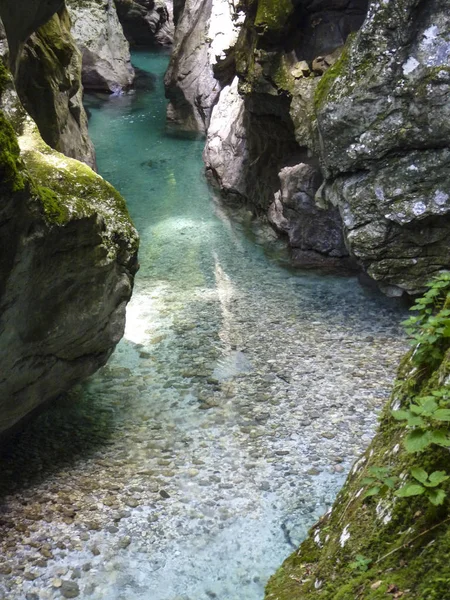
228,416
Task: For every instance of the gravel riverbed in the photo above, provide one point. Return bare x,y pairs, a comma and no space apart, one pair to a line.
190,466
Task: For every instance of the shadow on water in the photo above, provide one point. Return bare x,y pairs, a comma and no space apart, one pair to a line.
74,427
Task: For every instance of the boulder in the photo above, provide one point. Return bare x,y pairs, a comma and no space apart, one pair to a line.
105,50
314,233
68,259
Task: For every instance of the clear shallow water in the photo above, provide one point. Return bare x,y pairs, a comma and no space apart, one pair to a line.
225,422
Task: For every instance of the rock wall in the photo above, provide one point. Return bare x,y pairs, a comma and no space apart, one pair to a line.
48,82
273,78
201,62
146,22
68,259
383,130
105,50
23,18
374,544
356,91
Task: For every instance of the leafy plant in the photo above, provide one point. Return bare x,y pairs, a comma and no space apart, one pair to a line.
361,563
427,485
429,418
379,481
431,326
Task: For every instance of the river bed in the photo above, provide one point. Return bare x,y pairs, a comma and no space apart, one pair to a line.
225,422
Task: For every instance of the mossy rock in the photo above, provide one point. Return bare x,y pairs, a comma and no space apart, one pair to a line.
273,14
10,175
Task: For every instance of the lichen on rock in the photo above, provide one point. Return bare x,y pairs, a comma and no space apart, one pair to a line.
382,124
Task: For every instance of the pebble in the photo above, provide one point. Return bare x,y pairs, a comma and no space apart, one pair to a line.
124,542
70,589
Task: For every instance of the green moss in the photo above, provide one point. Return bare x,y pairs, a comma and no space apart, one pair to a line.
273,14
54,210
5,77
67,189
56,39
329,77
10,174
281,74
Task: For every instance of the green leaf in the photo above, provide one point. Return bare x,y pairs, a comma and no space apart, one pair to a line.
410,489
436,497
400,415
373,491
440,437
436,478
442,414
415,421
419,474
368,480
390,482
429,405
417,440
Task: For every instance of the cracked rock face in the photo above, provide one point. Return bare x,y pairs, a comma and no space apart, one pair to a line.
204,33
37,12
384,136
66,268
373,116
226,151
105,50
315,234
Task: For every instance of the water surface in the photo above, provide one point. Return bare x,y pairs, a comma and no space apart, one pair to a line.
222,427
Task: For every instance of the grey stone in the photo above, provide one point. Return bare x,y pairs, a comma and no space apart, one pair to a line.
105,50
146,22
70,589
384,128
48,81
310,228
204,31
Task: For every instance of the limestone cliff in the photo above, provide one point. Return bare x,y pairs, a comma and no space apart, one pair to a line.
388,533
146,22
49,85
201,62
67,264
105,50
23,18
357,93
383,115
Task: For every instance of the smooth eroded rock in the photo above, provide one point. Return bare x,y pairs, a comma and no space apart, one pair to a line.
67,265
106,53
